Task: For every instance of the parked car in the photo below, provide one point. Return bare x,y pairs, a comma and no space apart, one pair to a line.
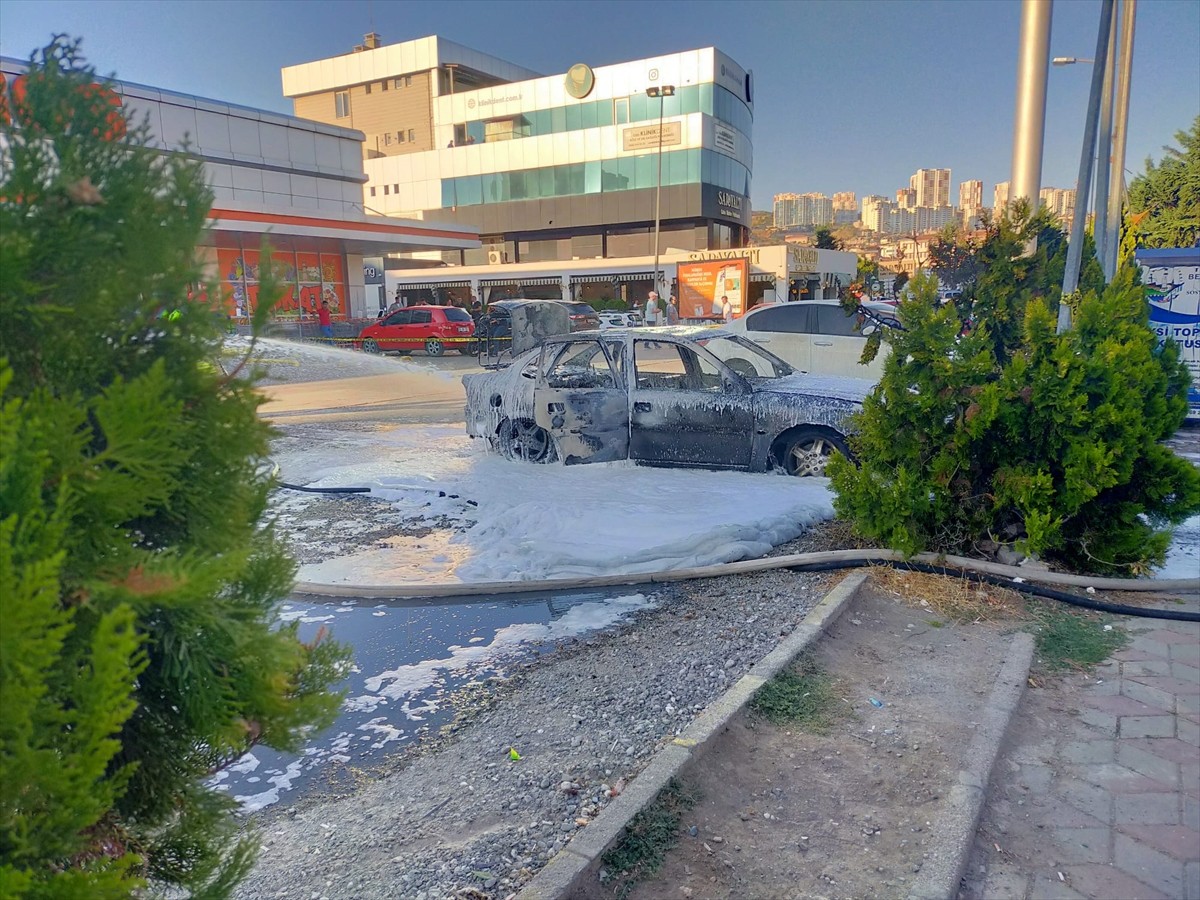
816,336
429,328
682,396
583,317
613,318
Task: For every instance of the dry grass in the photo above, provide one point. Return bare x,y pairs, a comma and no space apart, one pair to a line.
958,600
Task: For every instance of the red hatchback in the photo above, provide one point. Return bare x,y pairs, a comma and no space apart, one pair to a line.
429,328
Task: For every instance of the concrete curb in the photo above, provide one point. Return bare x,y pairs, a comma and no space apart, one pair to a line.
954,832
558,877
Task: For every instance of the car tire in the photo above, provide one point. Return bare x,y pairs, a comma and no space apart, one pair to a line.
743,367
805,452
370,345
434,347
468,350
525,441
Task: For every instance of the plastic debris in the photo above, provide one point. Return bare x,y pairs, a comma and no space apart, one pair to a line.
876,703
513,754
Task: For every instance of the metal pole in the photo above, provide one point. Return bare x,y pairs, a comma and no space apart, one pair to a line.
1116,189
1083,184
1104,142
1029,125
658,188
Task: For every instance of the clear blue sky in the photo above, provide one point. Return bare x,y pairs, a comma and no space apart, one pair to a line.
851,95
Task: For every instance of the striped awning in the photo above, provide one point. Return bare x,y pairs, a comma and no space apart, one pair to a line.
491,282
636,276
594,279
429,285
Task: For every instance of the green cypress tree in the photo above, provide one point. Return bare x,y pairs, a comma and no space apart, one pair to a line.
1005,431
138,577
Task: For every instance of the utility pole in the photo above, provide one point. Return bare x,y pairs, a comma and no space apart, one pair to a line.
1116,189
1083,184
1029,125
1104,146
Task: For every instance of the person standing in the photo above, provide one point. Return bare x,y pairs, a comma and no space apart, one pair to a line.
652,309
726,309
718,305
326,320
672,311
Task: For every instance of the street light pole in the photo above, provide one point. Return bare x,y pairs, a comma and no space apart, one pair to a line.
1120,130
666,90
1029,121
1083,184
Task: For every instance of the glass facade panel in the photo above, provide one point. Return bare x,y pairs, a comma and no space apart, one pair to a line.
591,178
574,179
689,99
706,98
604,112
574,118
589,115
558,120
621,110
671,105
475,130
639,108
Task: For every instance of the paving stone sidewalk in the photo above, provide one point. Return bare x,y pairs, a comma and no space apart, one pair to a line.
1097,792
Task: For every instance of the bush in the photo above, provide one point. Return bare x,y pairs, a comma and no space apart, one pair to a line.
138,583
1007,432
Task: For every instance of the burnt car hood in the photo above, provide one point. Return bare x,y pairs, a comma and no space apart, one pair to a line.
836,387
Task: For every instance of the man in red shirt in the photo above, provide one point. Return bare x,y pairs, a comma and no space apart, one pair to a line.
326,321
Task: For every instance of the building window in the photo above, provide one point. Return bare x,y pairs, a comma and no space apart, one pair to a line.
395,188
621,110
386,190
403,81
400,136
383,85
341,104
387,139
372,192
367,88
412,135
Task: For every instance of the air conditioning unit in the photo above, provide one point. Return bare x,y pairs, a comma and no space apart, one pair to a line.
497,257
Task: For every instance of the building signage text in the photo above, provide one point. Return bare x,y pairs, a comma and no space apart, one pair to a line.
725,140
646,137
491,101
804,258
749,254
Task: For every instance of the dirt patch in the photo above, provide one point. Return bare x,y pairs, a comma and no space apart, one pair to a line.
787,813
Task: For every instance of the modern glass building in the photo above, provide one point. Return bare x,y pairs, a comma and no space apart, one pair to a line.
559,167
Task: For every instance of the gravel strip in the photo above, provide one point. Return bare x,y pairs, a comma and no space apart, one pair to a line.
459,818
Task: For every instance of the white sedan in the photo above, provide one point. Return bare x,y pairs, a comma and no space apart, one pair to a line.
818,337
612,318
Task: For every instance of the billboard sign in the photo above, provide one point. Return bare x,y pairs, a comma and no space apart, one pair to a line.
701,283
1172,280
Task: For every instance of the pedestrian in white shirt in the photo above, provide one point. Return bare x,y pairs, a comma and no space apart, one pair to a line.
652,309
726,309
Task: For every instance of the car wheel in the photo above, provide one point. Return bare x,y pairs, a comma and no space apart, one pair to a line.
370,345
434,347
468,349
806,451
526,441
743,367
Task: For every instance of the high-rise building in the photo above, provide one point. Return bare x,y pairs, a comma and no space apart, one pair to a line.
845,200
875,210
546,167
906,198
970,197
802,210
1060,201
932,187
1000,196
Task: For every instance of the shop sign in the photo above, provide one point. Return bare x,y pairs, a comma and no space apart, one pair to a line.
721,203
730,76
750,254
725,140
646,137
701,283
803,259
481,102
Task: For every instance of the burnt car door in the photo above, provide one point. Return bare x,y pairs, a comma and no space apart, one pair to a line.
687,408
580,401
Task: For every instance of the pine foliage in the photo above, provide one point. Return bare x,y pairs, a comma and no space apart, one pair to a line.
138,577
1165,199
987,427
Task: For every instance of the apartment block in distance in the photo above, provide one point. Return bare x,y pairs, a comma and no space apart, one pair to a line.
554,167
802,210
970,200
932,187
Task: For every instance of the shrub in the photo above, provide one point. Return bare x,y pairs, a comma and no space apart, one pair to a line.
138,582
1005,431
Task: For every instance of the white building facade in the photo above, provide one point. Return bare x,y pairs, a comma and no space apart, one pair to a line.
564,166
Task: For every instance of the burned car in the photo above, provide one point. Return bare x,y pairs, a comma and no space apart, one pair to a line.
681,396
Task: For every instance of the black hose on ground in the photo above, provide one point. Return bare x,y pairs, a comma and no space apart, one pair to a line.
1117,609
329,490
